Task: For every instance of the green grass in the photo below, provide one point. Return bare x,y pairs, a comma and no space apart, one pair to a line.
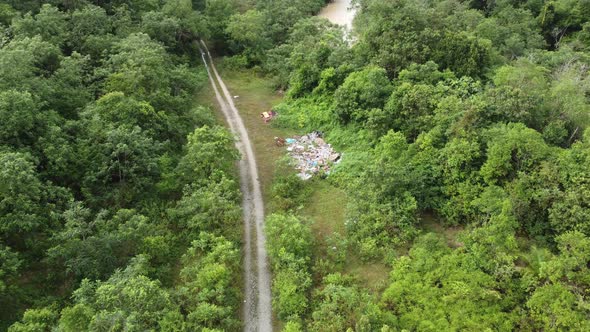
327,208
430,223
326,204
372,275
256,95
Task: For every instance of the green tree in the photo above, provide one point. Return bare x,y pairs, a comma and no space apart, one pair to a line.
161,27
434,288
568,94
208,151
513,149
7,12
461,53
289,249
558,303
460,161
410,108
50,23
25,62
94,246
217,13
127,300
122,162
18,111
289,289
86,24
568,211
207,291
289,240
513,31
383,208
75,318
9,267
69,92
138,67
118,109
192,22
313,45
391,33
214,207
21,196
34,320
360,93
340,305
248,34
492,247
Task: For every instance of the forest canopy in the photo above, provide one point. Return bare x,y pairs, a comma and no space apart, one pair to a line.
469,115
466,139
119,205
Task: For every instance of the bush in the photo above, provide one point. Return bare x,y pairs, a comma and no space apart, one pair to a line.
361,91
288,240
289,249
293,326
289,289
288,192
368,249
235,62
337,246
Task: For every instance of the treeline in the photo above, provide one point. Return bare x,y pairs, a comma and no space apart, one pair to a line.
252,34
119,206
471,113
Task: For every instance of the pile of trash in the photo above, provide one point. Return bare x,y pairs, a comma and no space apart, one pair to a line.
312,155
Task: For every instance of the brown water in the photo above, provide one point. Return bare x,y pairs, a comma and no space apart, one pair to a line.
339,12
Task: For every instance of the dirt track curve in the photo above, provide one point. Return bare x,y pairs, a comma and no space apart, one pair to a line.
257,306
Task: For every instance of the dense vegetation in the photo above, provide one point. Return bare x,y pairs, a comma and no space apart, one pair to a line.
119,207
472,115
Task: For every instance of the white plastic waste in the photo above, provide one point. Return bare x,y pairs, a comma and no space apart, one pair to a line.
312,155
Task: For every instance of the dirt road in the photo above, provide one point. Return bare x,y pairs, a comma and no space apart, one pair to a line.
257,306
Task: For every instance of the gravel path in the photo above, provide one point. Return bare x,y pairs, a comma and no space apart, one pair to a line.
257,306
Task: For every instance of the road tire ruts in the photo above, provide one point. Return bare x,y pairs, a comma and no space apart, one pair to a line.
257,306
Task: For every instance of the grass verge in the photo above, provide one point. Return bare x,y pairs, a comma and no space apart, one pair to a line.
326,204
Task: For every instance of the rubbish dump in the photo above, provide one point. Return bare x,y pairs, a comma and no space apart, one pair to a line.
267,116
279,141
311,154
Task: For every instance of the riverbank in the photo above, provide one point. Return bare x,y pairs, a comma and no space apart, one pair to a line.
339,12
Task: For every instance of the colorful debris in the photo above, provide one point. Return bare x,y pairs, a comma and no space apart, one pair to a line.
267,116
312,155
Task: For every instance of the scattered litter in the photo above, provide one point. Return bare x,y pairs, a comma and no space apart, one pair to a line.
236,97
279,141
312,155
267,116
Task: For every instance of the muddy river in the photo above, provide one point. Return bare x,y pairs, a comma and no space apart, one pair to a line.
339,12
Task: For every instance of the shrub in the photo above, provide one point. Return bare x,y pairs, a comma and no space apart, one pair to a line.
288,192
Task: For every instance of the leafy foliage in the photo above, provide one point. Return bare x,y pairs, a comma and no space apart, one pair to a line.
289,249
453,115
115,187
102,189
